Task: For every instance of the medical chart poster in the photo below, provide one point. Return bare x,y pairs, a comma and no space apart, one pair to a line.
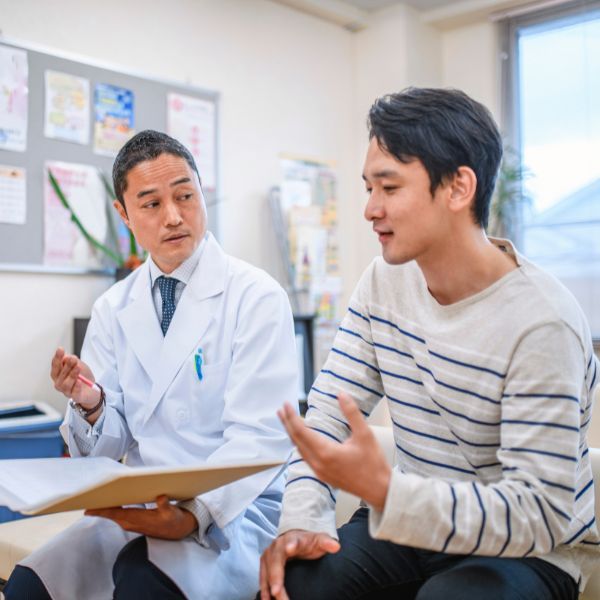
67,107
113,118
192,122
13,197
14,94
64,244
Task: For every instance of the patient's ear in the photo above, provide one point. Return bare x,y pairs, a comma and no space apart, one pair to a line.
462,189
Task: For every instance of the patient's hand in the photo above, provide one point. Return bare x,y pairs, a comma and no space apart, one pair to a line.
167,521
292,544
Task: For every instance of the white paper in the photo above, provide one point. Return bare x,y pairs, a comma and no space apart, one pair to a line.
192,122
26,483
13,195
67,113
295,192
14,95
64,245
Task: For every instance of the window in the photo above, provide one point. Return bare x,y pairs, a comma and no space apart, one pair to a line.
555,62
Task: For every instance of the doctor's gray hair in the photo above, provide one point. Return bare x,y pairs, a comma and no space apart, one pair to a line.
146,145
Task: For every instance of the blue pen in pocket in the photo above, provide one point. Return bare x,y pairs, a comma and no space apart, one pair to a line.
198,361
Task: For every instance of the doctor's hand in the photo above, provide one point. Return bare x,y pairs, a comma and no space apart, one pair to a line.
357,466
64,371
295,543
166,522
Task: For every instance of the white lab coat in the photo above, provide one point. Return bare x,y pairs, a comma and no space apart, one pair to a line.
159,412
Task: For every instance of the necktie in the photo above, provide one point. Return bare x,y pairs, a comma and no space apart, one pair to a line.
166,285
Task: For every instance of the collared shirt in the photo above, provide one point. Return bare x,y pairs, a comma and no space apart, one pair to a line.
182,273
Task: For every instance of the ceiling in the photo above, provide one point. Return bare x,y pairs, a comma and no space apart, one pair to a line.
373,5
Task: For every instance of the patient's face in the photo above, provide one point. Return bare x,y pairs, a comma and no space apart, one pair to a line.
408,221
165,209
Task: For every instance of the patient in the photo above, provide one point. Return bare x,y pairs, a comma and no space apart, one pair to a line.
195,353
487,365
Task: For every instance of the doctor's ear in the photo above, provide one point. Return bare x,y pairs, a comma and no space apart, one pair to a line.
463,186
122,212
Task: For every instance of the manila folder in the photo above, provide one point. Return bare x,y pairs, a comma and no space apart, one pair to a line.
140,485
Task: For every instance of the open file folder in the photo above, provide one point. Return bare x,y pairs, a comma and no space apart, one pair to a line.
49,485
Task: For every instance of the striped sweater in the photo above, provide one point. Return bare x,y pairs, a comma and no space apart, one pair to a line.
490,400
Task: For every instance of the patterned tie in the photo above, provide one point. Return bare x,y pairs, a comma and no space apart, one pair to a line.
166,285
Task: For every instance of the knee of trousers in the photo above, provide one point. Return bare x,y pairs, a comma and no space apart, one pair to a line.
24,584
131,567
314,579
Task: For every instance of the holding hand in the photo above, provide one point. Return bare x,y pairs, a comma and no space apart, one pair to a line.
167,521
292,544
64,371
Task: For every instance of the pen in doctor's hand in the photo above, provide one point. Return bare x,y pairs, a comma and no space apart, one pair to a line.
89,383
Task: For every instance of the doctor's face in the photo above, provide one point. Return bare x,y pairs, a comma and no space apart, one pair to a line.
165,209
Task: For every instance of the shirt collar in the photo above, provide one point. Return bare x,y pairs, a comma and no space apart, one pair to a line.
184,271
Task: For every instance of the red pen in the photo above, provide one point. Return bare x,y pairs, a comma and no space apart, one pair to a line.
89,383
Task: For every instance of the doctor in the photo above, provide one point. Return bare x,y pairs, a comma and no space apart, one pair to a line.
194,353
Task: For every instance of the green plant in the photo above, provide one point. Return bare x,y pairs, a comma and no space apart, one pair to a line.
509,196
115,255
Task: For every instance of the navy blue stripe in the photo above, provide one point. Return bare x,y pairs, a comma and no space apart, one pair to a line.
453,531
356,383
403,377
427,435
585,452
434,463
474,444
355,312
461,416
316,389
312,479
594,377
355,334
314,407
294,462
455,388
584,489
555,396
330,435
586,423
587,526
559,512
508,530
483,517
530,549
590,362
486,466
358,360
540,424
543,452
417,406
384,347
590,543
553,543
402,331
468,365
560,486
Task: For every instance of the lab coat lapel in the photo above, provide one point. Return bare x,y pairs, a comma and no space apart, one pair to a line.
140,323
195,311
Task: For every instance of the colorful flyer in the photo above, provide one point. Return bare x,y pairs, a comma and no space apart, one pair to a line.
113,118
64,244
13,198
13,98
192,122
67,112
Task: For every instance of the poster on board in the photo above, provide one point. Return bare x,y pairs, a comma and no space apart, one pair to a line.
64,245
67,107
14,94
192,122
113,118
13,198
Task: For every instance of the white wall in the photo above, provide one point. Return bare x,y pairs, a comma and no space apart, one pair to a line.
287,85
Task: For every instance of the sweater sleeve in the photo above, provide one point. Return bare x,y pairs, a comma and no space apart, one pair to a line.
531,509
351,367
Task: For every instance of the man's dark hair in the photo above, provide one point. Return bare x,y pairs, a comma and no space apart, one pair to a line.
146,145
445,130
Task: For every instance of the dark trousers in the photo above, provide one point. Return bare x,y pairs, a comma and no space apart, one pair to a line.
134,575
369,569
